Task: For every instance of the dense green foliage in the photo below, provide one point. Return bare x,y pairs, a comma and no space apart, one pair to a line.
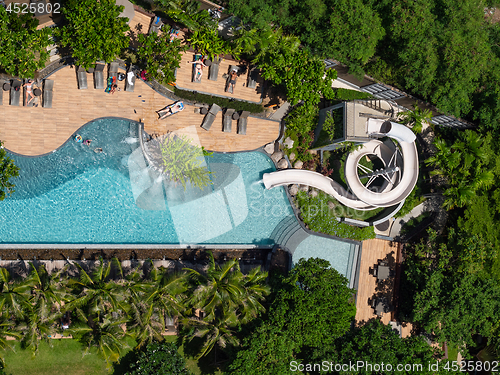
159,358
23,49
94,31
443,51
320,218
186,12
8,170
222,102
349,33
467,165
378,343
313,306
208,42
160,57
302,74
454,293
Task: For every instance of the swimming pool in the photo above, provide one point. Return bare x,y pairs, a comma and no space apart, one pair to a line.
77,196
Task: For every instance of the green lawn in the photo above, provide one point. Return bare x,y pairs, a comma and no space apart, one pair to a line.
65,357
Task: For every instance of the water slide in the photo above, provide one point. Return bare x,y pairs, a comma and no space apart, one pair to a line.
398,183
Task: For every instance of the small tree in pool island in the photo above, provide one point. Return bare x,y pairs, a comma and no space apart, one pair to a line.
181,161
7,170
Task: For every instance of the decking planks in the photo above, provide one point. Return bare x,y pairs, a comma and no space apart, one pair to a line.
37,130
373,251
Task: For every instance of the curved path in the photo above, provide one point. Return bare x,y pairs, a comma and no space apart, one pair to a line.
391,192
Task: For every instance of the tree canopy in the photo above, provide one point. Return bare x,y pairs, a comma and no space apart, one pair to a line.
378,343
158,358
300,319
24,48
346,30
160,56
94,31
453,293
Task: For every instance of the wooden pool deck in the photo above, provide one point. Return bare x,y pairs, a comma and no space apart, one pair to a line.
368,288
36,130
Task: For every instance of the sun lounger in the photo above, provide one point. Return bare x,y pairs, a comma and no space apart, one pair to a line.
2,82
170,110
130,81
229,87
253,75
48,85
99,77
113,70
15,92
214,69
242,123
155,25
81,75
210,117
228,120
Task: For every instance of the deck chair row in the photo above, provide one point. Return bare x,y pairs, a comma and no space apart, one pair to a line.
99,84
227,119
16,88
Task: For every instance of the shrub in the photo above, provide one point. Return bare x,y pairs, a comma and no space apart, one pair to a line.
159,358
222,102
347,95
318,216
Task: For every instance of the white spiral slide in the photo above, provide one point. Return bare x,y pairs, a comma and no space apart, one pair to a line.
393,190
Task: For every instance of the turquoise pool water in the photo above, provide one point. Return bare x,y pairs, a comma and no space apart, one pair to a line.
74,195
77,196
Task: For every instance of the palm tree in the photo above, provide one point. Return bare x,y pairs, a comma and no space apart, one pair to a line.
268,41
216,333
227,299
244,41
44,306
164,297
446,160
254,291
107,336
149,301
13,295
6,330
221,288
416,118
96,295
